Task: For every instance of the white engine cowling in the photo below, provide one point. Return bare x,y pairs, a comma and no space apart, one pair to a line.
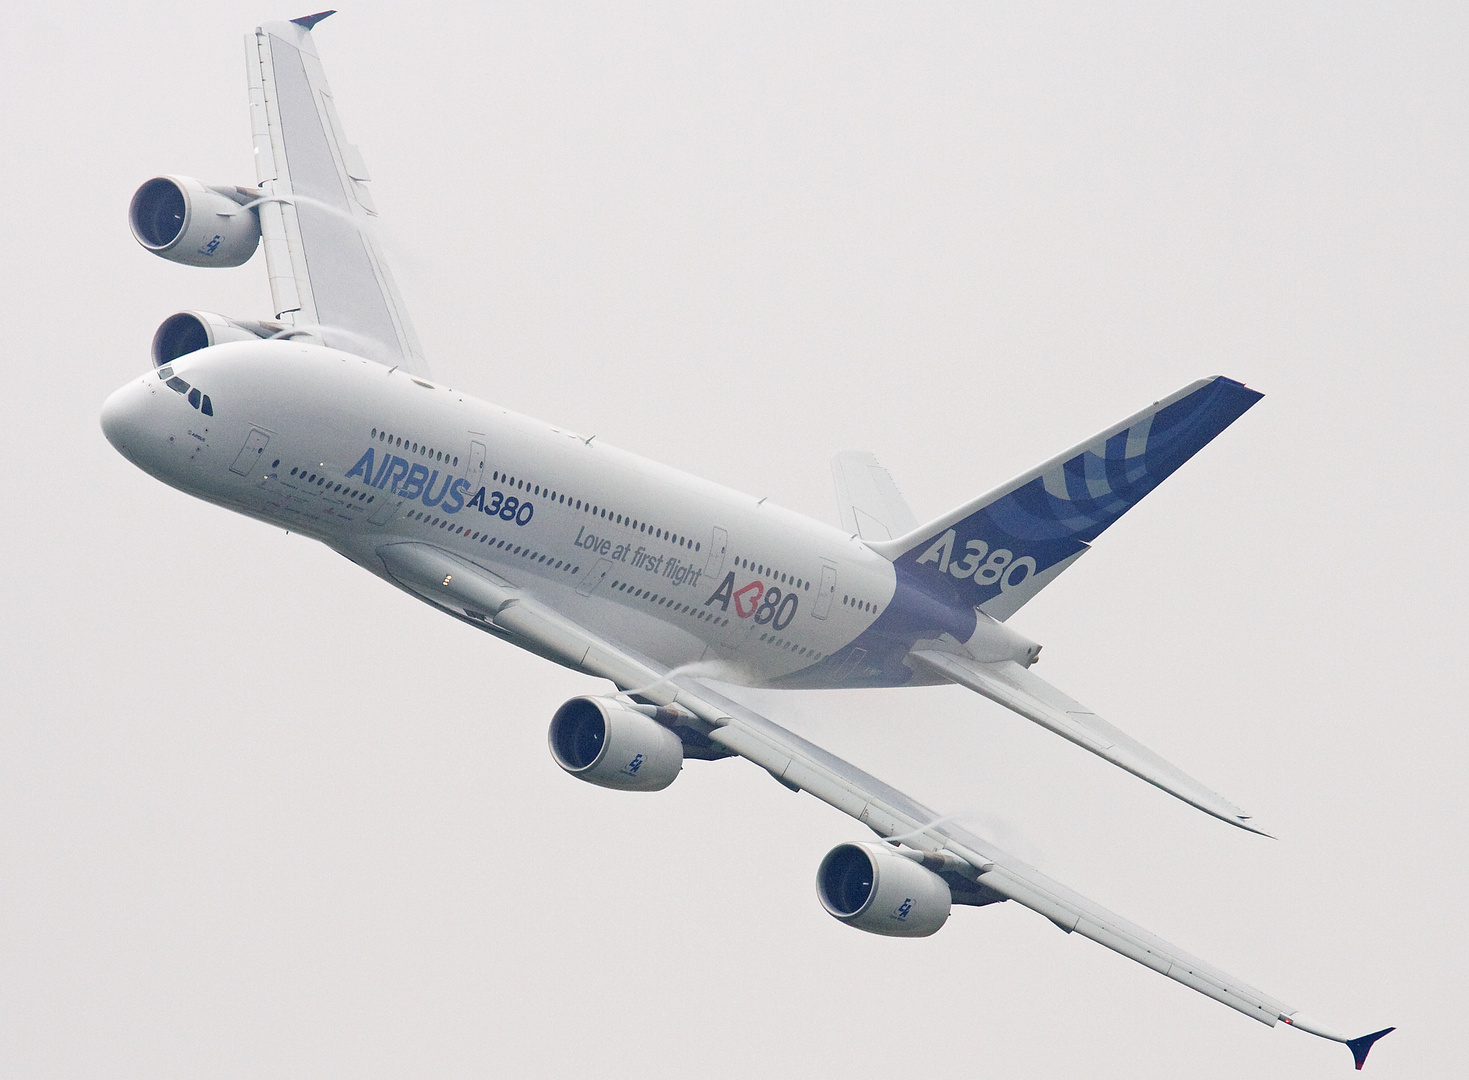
872,887
610,743
189,331
187,221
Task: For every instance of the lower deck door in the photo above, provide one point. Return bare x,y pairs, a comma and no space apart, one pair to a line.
249,456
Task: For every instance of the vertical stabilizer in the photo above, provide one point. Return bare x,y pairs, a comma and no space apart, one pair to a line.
998,551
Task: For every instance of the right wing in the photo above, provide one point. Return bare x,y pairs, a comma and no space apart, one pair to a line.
480,596
328,277
1035,699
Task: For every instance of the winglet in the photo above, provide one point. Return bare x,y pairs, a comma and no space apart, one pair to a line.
306,22
1359,1047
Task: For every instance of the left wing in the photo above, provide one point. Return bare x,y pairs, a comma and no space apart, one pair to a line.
328,276
474,593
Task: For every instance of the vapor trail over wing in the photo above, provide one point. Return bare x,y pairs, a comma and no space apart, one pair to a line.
479,596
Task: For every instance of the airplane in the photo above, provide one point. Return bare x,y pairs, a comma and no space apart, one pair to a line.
323,420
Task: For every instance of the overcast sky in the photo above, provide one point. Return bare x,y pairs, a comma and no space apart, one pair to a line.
262,815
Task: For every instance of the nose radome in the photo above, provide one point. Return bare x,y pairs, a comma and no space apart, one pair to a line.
121,417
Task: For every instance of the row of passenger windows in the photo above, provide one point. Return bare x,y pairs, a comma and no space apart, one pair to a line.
791,646
561,498
178,386
663,601
586,507
303,476
543,492
474,536
778,575
422,449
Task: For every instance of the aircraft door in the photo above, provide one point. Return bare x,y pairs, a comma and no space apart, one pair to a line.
384,510
718,545
594,577
250,453
474,472
825,591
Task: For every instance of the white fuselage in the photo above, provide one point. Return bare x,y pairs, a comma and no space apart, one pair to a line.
359,456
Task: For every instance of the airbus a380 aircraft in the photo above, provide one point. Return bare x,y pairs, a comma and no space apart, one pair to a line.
322,420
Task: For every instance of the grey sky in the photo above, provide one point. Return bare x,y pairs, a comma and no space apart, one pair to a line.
261,815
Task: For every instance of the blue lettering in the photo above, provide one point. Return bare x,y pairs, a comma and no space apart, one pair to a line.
414,483
427,488
363,468
393,469
454,501
478,502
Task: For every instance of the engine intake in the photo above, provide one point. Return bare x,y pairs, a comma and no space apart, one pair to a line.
609,743
187,221
189,331
872,887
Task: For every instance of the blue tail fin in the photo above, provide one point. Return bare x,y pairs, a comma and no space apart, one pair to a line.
1001,549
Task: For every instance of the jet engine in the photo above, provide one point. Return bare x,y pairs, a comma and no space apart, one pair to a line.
189,331
614,744
874,888
187,221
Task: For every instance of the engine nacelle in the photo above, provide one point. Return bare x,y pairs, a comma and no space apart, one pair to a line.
189,222
189,331
872,887
610,743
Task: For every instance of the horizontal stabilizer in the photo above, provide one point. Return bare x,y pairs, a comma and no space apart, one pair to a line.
1032,697
867,499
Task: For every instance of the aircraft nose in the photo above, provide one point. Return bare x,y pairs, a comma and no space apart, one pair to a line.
122,418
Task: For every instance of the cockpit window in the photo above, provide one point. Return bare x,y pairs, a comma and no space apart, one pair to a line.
165,373
194,397
178,385
207,409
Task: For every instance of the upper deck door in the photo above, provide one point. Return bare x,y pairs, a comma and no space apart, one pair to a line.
825,591
474,472
718,545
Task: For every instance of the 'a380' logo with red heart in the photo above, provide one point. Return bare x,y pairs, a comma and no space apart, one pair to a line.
764,604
